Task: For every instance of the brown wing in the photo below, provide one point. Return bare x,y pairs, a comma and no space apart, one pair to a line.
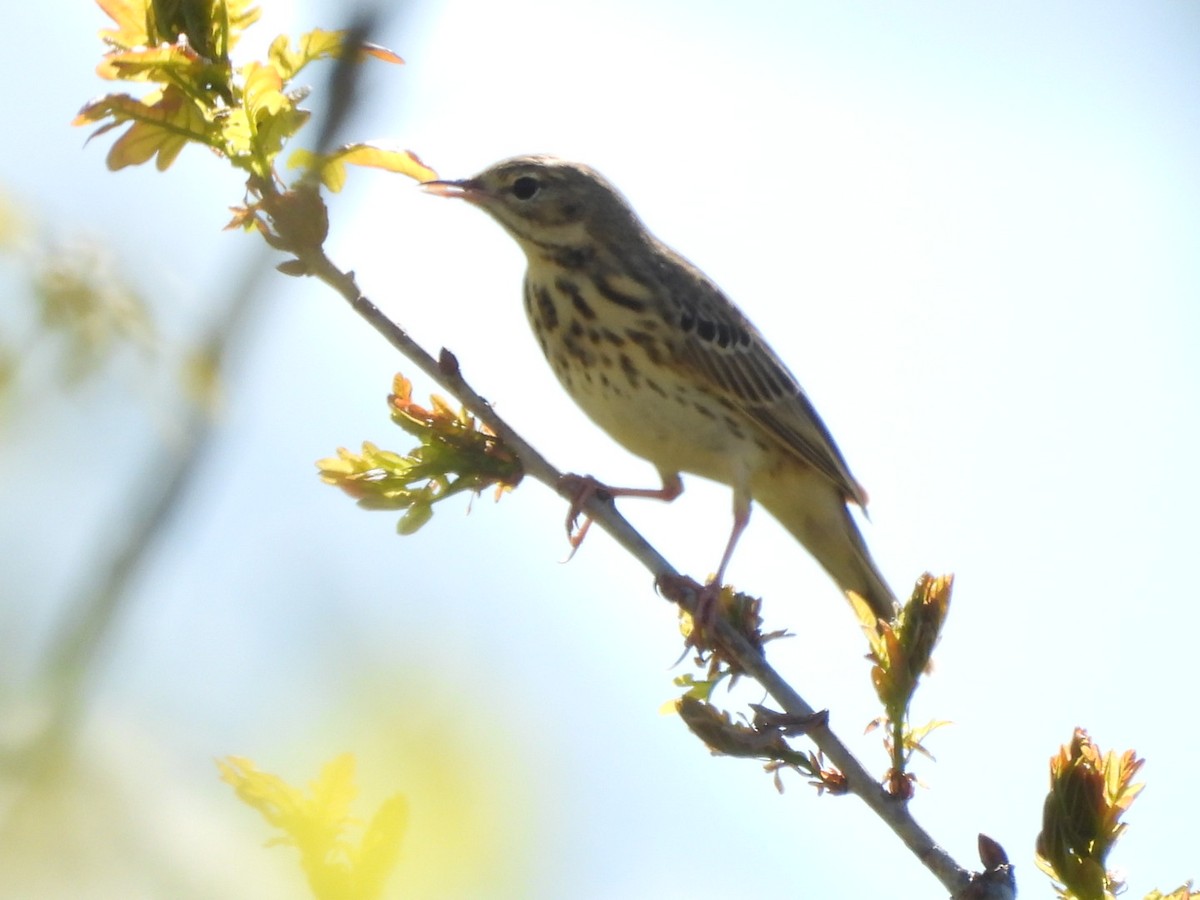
720,347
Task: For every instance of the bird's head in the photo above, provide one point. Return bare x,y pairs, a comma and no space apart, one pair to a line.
545,202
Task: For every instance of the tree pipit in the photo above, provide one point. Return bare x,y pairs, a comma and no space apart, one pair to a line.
659,358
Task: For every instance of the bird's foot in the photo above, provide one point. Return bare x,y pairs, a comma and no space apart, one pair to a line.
581,488
705,602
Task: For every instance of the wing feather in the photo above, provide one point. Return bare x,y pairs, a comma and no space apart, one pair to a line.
719,346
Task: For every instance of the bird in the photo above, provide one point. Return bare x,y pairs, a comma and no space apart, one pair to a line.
656,355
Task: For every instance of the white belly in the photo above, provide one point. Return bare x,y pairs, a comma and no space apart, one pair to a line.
651,414
612,358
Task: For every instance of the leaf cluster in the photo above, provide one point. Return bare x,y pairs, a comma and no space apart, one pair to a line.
763,738
456,454
901,652
245,113
1081,818
742,612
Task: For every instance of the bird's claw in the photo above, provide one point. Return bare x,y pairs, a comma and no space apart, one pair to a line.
582,488
576,534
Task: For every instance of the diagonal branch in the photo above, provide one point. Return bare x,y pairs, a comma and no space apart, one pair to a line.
445,372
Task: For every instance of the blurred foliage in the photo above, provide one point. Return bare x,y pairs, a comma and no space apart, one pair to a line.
318,824
82,308
12,223
86,302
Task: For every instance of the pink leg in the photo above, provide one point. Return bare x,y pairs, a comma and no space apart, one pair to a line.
585,487
741,518
706,602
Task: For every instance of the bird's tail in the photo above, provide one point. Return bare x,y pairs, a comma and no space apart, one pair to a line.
813,510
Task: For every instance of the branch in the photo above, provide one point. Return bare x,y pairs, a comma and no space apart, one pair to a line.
445,372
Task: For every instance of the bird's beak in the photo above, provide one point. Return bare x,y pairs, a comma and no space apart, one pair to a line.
464,190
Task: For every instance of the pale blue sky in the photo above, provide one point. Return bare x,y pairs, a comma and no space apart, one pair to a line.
969,229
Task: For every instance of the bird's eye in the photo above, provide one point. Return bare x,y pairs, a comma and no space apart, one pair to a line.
525,187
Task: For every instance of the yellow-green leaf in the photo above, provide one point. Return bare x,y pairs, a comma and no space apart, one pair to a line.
163,123
130,17
262,93
239,15
311,46
148,63
403,162
331,168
